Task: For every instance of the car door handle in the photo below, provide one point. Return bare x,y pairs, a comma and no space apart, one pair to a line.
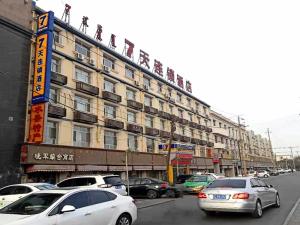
87,214
113,207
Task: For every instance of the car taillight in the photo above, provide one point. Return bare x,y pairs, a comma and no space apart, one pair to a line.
164,185
202,195
241,196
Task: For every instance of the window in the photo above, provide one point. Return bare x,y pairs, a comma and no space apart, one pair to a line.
191,117
216,139
150,144
220,125
182,128
225,127
200,135
188,101
108,62
171,109
7,191
53,95
179,97
197,106
180,113
214,123
147,82
148,101
228,183
162,125
51,132
132,142
110,140
199,120
78,200
130,94
204,110
81,75
207,137
161,106
110,111
149,121
57,37
131,117
82,104
170,92
160,87
97,197
129,73
192,132
81,136
80,48
55,65
109,86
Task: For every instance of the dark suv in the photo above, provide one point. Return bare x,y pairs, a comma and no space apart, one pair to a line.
151,188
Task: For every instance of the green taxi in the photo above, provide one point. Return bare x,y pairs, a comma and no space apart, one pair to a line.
197,182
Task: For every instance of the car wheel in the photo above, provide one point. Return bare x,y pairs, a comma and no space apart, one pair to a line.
124,219
210,213
277,201
170,194
152,194
265,176
258,210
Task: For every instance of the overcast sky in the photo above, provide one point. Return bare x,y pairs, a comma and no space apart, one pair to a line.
242,57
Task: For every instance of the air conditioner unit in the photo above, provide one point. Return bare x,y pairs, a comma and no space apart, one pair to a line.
146,87
106,69
92,62
79,56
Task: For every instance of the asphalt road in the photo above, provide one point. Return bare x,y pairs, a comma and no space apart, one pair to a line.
184,211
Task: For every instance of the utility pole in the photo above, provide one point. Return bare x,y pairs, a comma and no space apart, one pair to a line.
270,143
239,145
127,173
169,168
293,158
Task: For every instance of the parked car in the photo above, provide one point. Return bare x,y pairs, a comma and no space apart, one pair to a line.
263,173
197,182
252,174
77,206
287,171
238,194
273,173
151,188
280,171
14,192
112,182
182,178
216,175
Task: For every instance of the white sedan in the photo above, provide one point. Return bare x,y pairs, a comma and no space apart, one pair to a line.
14,192
71,207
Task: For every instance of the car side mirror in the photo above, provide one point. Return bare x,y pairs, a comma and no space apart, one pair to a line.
67,208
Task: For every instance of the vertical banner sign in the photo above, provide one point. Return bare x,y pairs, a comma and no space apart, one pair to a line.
41,77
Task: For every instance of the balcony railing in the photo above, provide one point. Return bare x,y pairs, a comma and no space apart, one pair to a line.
183,121
85,117
111,123
111,96
56,111
134,128
87,88
221,131
203,142
164,134
134,104
58,78
176,137
185,138
210,144
152,131
195,141
164,115
150,110
193,124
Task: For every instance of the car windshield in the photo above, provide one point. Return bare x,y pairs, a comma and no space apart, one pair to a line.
113,180
32,204
228,184
198,179
44,186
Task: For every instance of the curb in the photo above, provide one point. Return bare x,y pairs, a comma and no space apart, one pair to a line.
157,203
287,220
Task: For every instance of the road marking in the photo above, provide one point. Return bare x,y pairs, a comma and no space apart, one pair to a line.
287,220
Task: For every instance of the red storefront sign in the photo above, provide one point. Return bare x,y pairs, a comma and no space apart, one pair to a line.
37,123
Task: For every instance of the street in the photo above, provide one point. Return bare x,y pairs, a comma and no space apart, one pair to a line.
185,210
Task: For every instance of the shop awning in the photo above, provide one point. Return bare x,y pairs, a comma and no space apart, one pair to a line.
50,168
91,168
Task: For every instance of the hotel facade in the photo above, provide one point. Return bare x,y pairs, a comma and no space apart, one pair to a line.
107,113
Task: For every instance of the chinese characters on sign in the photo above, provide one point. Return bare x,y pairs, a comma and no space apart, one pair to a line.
37,120
53,156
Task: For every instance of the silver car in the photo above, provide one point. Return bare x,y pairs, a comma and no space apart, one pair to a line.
238,194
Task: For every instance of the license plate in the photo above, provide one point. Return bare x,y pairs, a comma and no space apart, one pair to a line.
219,197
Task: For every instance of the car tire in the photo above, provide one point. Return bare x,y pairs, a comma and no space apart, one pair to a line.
170,194
258,210
151,194
265,176
277,201
209,213
124,219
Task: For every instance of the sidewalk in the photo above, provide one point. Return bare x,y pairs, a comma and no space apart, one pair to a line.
294,216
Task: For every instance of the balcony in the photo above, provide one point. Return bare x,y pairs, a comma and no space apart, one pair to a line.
200,127
115,124
208,129
87,88
220,131
174,118
176,137
152,131
203,142
185,138
56,111
193,124
134,104
183,121
111,96
58,78
150,110
220,146
195,141
85,117
210,144
164,115
134,128
164,134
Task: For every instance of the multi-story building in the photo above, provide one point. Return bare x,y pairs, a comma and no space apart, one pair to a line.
102,105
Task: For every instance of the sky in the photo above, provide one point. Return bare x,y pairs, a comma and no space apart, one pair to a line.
242,57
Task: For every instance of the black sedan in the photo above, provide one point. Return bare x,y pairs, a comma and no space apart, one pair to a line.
151,188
